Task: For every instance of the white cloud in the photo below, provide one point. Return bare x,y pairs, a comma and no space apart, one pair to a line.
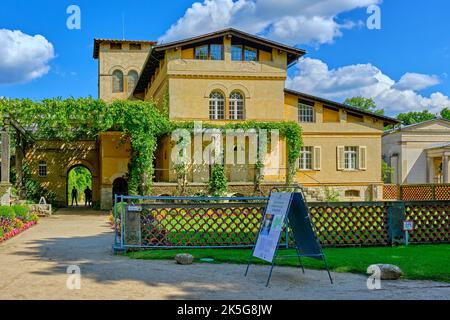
23,57
416,81
290,21
314,76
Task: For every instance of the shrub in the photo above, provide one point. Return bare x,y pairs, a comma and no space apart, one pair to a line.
331,195
218,182
7,212
21,212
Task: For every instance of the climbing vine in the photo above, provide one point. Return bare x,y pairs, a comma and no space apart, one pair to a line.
290,130
218,182
140,121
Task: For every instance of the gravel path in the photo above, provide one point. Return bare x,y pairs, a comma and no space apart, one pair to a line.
33,266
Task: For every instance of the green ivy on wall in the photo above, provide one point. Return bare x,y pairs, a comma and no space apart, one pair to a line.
84,118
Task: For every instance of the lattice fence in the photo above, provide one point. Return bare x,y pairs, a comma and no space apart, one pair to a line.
431,221
237,224
200,225
391,192
442,192
355,224
416,192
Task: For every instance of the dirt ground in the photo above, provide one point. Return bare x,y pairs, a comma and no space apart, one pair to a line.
33,265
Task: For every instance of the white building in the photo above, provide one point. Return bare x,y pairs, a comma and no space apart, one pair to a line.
419,153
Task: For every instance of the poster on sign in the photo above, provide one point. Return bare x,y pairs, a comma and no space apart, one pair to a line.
272,225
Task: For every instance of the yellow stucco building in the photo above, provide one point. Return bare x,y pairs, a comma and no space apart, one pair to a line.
231,76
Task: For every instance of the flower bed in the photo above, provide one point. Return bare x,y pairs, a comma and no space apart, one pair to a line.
14,220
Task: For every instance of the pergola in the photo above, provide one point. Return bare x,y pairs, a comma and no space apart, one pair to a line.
8,124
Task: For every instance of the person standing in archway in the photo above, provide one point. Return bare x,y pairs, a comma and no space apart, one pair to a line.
75,196
87,197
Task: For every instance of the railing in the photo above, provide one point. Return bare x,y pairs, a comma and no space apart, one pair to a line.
194,222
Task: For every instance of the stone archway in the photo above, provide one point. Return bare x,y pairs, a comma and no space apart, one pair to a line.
95,182
78,171
59,157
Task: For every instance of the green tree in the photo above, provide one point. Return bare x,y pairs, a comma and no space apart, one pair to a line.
415,117
386,172
445,113
366,104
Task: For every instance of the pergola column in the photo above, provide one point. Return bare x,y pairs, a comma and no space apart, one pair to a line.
430,169
5,155
445,168
5,186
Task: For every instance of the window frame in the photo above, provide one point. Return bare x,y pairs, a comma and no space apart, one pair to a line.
115,46
306,112
244,49
128,80
121,85
234,112
208,51
350,157
306,157
248,48
135,47
241,53
216,105
221,51
201,47
42,169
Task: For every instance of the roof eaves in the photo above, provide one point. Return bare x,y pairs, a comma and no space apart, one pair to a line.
98,41
344,106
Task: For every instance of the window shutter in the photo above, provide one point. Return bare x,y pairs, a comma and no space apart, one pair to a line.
362,152
317,158
340,157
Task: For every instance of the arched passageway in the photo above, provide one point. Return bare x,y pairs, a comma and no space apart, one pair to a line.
120,187
79,186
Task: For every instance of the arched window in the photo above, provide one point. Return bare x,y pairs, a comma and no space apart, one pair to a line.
117,81
216,106
132,80
236,106
42,169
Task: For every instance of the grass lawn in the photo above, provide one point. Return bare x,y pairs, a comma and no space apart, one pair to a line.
430,262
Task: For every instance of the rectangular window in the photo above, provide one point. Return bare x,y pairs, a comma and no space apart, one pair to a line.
350,158
236,53
306,111
201,53
306,156
135,46
216,52
250,54
115,46
42,169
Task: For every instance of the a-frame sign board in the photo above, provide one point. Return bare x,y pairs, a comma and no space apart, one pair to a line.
288,210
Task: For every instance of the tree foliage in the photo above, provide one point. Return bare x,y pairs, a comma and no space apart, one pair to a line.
445,113
366,104
386,172
415,117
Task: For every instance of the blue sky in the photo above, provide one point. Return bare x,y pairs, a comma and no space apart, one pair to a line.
414,39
